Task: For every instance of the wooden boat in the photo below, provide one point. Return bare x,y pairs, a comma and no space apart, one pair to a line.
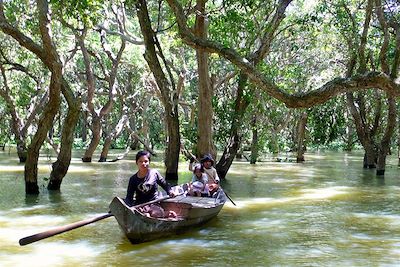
190,211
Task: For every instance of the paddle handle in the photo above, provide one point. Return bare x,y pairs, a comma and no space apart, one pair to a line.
55,231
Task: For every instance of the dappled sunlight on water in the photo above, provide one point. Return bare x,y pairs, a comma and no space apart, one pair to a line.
327,211
57,254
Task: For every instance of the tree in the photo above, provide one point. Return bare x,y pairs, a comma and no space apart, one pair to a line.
167,89
34,100
336,86
49,56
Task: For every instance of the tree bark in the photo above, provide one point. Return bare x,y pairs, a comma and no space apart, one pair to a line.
230,150
205,143
95,140
169,95
385,143
48,55
61,166
15,123
301,132
84,126
254,141
364,134
111,137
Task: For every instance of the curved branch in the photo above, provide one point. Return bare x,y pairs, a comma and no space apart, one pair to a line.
21,38
371,80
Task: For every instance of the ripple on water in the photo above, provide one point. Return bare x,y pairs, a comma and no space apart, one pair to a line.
54,254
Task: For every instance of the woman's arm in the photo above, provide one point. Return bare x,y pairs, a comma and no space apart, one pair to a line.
163,183
130,192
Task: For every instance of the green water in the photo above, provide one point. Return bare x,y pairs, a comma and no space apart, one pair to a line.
325,212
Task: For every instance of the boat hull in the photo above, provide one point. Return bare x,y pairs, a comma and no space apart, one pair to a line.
190,211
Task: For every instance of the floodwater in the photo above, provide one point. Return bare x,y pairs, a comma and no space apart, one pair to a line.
327,211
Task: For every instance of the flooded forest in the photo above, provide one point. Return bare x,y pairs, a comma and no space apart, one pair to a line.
295,101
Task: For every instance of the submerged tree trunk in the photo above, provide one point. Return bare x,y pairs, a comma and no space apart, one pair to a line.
173,148
48,55
301,132
398,141
15,123
61,166
365,135
385,143
205,139
96,136
84,130
112,136
254,141
169,94
98,116
241,104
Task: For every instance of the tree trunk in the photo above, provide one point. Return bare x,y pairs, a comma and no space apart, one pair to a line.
97,116
84,126
398,141
301,131
61,166
15,123
51,59
241,104
169,95
365,135
370,155
385,143
112,136
254,141
45,122
173,148
205,139
96,135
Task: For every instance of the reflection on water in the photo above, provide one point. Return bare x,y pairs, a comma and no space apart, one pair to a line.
327,211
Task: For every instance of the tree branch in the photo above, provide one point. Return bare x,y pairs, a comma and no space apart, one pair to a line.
371,80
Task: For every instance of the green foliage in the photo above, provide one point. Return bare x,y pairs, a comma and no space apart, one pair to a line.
89,12
311,47
327,122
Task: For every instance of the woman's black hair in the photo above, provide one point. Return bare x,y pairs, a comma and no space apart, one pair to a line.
143,153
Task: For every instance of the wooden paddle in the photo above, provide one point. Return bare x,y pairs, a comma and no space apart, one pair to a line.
61,229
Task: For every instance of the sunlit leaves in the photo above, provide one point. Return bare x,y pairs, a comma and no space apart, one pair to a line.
87,11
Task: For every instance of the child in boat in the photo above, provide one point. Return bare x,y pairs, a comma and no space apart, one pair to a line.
198,186
213,180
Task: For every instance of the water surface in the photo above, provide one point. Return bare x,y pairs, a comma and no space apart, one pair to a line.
327,211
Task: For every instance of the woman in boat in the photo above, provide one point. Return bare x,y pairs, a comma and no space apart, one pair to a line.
198,186
144,183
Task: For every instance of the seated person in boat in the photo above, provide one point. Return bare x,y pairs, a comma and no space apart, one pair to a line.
213,180
208,166
198,186
144,185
